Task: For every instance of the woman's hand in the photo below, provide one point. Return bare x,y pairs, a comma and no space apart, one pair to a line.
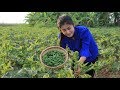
77,72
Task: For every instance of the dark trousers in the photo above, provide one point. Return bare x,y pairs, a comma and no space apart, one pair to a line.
90,72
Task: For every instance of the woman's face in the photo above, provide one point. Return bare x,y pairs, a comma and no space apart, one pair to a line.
67,30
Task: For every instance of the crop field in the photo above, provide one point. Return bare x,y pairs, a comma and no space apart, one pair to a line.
21,45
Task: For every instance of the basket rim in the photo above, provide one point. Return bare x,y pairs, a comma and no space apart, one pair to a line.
53,48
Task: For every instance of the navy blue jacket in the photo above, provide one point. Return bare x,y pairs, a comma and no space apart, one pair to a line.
83,42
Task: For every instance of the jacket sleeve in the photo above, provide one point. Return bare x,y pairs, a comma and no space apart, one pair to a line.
62,43
59,35
85,37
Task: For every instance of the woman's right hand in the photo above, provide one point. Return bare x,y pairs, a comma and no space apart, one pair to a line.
77,72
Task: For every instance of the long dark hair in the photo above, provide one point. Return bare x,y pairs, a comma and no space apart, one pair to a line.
63,19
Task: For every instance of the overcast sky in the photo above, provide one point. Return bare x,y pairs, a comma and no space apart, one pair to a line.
12,17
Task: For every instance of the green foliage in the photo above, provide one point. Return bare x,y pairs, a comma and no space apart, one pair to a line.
90,19
21,45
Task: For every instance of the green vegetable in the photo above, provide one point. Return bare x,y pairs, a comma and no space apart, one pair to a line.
53,58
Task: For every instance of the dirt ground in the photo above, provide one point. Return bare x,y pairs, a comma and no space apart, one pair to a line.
105,73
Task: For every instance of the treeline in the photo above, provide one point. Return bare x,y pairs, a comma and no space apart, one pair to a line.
91,19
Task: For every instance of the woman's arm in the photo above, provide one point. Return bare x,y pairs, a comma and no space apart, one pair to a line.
84,52
62,41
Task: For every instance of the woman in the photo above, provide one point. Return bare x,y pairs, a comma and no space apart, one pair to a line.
78,38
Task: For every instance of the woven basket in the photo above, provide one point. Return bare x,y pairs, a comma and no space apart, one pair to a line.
60,49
